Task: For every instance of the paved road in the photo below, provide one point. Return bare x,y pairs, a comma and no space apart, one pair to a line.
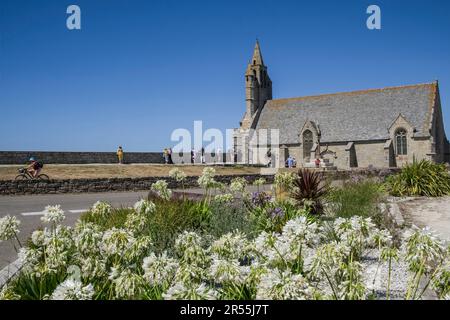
28,209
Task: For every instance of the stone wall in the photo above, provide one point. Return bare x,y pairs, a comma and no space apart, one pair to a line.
9,187
21,157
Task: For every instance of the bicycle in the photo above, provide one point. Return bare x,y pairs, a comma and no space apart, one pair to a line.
25,175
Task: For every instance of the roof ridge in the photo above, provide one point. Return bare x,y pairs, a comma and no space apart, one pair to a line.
434,83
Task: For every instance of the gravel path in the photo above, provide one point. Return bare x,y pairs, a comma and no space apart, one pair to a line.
431,212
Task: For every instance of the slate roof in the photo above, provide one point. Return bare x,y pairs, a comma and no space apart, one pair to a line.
351,116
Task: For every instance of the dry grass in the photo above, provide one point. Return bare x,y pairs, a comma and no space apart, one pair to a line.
57,171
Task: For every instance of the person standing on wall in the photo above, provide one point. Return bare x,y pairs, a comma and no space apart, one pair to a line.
203,156
169,153
120,154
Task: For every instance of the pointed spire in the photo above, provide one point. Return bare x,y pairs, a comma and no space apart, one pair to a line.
257,57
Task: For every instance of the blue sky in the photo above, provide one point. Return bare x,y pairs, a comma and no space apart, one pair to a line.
137,70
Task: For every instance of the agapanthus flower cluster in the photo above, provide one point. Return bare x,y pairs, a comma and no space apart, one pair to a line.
192,291
206,180
159,270
9,227
284,180
224,198
424,250
259,182
101,208
177,174
161,188
127,283
144,207
283,285
238,185
53,215
73,290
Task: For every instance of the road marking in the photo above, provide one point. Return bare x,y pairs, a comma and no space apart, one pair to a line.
78,211
41,213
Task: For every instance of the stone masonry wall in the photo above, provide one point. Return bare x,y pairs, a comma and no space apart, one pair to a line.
9,187
48,157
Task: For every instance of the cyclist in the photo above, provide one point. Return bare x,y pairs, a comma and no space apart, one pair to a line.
34,168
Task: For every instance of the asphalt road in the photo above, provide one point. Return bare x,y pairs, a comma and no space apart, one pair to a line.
28,209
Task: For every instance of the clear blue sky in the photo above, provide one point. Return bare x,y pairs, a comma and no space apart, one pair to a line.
139,69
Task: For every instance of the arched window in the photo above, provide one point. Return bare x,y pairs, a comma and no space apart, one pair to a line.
307,144
401,145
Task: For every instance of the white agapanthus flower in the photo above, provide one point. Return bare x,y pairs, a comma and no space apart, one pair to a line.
88,238
116,241
301,230
206,180
101,208
224,198
177,174
73,290
259,182
159,270
223,271
93,267
38,238
231,246
29,257
9,227
192,291
144,207
53,215
424,249
283,285
161,188
127,284
238,185
188,245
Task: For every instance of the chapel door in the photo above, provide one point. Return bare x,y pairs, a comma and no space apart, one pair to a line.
307,145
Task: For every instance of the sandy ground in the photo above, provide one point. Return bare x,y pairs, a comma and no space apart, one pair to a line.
57,171
432,212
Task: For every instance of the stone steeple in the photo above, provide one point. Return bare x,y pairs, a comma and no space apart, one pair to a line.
258,87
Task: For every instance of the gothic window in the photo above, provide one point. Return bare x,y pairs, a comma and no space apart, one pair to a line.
401,145
307,143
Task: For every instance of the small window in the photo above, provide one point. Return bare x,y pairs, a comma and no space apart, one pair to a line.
401,142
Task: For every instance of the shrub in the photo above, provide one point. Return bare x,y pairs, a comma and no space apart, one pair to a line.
355,199
174,216
114,217
309,190
421,178
228,218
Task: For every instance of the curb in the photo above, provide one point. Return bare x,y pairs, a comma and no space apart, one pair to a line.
9,271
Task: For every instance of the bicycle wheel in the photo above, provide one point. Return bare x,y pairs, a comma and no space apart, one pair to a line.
43,177
21,177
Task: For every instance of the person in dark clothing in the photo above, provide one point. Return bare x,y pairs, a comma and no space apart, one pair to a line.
170,156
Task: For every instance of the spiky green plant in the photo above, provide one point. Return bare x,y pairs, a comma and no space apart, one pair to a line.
421,178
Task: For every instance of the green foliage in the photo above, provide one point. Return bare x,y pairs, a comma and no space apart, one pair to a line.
309,190
273,216
228,218
31,287
355,199
115,218
421,178
174,216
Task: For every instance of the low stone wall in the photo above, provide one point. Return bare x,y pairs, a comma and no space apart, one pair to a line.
49,157
9,187
21,157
